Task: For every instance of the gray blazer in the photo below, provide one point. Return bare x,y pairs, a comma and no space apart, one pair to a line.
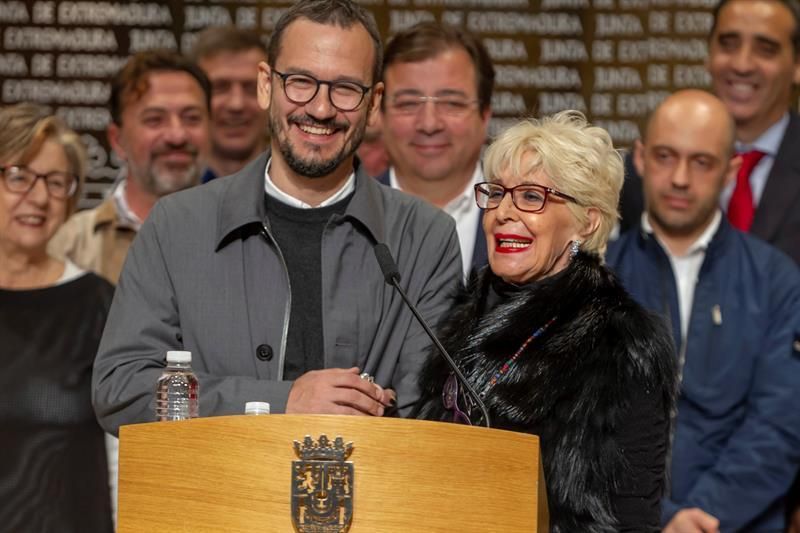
205,275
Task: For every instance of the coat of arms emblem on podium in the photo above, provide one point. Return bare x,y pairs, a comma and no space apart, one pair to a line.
322,485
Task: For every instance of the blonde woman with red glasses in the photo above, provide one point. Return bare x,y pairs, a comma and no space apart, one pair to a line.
548,338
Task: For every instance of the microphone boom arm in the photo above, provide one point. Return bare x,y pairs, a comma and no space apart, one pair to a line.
392,276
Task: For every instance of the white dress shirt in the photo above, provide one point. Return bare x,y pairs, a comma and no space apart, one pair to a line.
465,211
272,190
686,267
127,218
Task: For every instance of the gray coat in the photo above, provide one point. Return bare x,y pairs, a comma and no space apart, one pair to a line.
205,275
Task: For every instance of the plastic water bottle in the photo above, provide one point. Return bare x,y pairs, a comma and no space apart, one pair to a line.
177,391
256,408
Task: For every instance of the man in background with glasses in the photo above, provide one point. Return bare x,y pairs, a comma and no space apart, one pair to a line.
733,304
269,276
435,113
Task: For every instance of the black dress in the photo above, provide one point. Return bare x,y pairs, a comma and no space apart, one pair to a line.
53,466
596,386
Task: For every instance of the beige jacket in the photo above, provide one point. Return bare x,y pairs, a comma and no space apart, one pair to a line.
94,240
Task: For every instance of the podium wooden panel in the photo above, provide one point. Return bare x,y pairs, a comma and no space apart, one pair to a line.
233,474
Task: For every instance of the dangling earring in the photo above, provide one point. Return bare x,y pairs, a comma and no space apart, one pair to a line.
574,248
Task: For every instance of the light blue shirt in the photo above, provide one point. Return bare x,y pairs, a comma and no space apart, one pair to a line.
768,142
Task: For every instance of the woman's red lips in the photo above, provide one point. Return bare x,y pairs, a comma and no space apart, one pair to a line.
510,244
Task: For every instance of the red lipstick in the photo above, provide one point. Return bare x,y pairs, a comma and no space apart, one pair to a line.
507,243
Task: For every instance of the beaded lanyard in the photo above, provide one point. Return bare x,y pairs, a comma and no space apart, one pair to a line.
513,359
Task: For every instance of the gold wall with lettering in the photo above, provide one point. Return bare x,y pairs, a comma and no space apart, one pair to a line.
613,59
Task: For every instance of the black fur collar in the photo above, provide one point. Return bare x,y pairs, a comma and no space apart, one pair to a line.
571,386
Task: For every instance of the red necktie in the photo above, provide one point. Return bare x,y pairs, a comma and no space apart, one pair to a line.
742,210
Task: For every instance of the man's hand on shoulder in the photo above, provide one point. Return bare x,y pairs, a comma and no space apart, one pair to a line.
692,520
337,391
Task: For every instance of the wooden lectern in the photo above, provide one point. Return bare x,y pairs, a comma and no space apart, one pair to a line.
235,474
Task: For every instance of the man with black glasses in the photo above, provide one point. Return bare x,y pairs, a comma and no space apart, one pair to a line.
435,114
269,276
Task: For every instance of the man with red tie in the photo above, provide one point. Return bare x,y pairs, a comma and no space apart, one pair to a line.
754,61
733,304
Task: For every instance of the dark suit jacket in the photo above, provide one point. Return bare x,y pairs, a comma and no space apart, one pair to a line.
480,256
631,199
777,219
778,215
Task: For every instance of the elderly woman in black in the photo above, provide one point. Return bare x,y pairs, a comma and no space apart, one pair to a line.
53,470
549,338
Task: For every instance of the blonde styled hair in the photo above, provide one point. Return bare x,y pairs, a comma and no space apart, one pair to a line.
579,158
25,127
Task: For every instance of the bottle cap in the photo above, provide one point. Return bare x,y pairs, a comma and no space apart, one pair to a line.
177,356
256,408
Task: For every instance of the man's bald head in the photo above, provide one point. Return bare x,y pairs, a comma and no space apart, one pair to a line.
685,160
695,110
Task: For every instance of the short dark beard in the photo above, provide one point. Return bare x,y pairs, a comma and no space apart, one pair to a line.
310,168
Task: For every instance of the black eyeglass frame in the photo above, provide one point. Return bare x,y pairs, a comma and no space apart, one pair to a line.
73,187
506,190
331,85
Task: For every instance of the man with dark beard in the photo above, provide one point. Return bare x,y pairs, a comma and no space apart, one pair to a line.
159,112
269,276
